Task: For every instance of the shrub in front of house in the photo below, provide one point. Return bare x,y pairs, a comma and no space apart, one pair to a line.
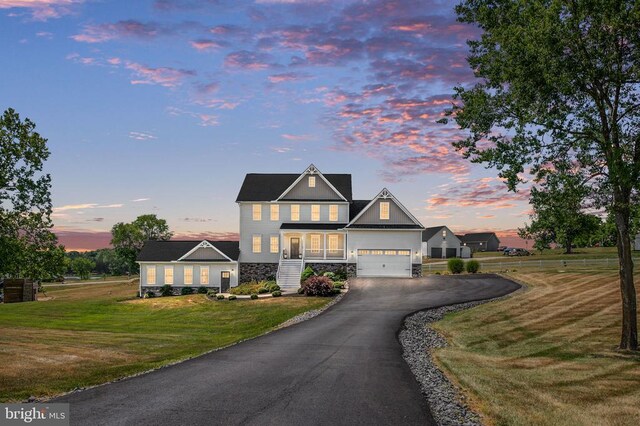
472,266
338,284
276,293
202,290
455,265
220,297
232,297
246,289
336,291
186,291
254,296
212,292
166,290
318,286
263,290
273,287
150,294
301,290
330,275
308,272
340,274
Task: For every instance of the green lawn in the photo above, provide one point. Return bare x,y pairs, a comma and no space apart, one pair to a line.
546,356
86,335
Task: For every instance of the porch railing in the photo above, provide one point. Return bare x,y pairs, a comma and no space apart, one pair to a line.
320,254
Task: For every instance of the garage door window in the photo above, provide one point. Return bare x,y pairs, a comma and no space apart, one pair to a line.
389,252
404,252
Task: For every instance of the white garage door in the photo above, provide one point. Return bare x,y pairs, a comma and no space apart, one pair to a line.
384,263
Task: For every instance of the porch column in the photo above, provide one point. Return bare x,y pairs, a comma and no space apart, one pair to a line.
303,238
325,246
344,246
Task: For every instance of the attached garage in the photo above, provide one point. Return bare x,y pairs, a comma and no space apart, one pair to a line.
384,263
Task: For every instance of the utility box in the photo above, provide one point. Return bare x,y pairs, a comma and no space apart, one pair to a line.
20,290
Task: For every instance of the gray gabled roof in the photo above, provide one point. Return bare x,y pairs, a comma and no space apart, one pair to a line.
356,207
269,186
167,251
478,236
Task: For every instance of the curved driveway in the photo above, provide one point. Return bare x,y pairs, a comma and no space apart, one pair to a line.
344,367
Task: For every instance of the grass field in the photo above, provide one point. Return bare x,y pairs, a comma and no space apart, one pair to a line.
86,335
546,356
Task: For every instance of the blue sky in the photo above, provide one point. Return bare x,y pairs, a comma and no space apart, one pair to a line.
162,107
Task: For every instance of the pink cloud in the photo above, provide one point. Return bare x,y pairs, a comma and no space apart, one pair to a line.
296,137
288,77
248,60
42,10
163,76
129,29
203,45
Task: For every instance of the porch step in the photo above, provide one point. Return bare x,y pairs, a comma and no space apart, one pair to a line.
289,274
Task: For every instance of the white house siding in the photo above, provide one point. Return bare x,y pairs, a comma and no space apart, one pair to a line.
396,215
450,241
384,239
266,227
215,270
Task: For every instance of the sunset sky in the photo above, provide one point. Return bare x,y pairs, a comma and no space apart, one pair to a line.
163,106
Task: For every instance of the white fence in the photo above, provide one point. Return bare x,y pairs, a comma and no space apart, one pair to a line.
542,264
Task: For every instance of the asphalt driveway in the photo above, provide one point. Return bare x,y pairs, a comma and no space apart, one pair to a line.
343,367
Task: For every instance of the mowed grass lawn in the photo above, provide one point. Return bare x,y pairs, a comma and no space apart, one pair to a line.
86,335
546,356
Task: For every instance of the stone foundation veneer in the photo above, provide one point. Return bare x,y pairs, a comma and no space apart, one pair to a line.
177,290
256,271
416,270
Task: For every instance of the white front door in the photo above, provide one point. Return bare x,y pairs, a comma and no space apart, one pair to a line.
384,263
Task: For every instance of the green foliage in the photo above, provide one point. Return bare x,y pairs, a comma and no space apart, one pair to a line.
220,296
472,266
186,291
202,290
272,287
150,294
232,297
300,290
128,238
336,291
308,272
276,293
455,265
329,274
338,284
557,83
254,296
263,290
82,267
212,292
340,274
166,290
27,246
247,288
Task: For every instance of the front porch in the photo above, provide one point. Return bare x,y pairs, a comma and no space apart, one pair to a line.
313,245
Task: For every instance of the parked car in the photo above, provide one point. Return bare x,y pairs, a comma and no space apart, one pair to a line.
506,251
519,252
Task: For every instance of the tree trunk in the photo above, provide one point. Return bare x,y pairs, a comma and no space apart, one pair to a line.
629,338
567,247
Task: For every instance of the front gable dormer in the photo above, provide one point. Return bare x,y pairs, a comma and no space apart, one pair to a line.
311,185
204,251
384,211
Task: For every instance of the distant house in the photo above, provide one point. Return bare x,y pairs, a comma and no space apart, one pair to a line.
438,242
481,241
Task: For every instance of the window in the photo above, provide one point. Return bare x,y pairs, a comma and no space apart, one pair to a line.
315,242
312,181
204,275
444,233
275,212
257,244
384,210
333,213
168,274
295,212
257,212
315,212
333,243
274,244
377,252
188,275
151,275
363,252
404,252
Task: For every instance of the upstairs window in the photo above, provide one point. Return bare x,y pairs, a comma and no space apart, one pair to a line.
384,210
257,212
333,213
295,212
315,212
275,212
444,233
257,243
312,181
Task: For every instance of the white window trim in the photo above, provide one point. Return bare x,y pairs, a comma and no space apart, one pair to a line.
168,268
275,212
333,213
274,248
256,212
256,239
315,212
384,214
202,269
150,269
184,273
297,217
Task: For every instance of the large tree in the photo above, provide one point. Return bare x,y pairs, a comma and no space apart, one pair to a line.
128,238
559,80
28,248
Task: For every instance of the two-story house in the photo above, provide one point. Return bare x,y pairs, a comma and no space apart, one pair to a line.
290,221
